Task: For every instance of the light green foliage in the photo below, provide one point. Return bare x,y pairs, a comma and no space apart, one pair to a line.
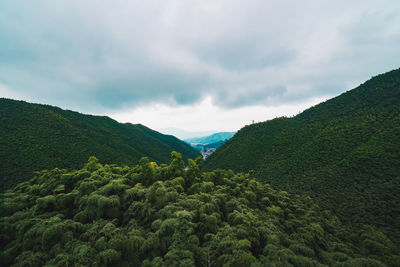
174,215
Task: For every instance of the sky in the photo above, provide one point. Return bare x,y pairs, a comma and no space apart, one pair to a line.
194,65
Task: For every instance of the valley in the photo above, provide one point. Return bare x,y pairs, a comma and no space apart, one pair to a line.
208,144
317,189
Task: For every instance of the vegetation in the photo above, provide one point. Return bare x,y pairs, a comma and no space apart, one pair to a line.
207,145
174,215
36,137
345,153
206,150
201,148
214,138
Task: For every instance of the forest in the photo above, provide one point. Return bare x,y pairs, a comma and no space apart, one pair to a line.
36,137
175,215
344,153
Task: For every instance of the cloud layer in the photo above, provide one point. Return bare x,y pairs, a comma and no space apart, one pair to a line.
207,116
107,55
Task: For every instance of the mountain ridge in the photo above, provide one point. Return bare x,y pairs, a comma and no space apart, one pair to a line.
36,136
184,134
209,139
344,152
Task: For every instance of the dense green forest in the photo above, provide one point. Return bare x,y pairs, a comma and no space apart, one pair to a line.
174,215
36,137
345,153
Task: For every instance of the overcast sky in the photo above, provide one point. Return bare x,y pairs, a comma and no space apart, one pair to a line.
194,65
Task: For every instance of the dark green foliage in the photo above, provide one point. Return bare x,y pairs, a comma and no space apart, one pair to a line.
36,137
174,215
345,153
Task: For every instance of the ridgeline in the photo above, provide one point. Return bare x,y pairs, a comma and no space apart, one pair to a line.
345,153
36,137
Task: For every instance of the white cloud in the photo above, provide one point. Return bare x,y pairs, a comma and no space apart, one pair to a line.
206,115
8,93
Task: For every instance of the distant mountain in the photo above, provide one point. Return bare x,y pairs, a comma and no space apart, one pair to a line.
344,152
182,134
36,137
214,138
214,146
208,144
208,149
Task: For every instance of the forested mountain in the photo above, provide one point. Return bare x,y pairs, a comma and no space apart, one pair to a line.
174,215
36,137
214,138
344,152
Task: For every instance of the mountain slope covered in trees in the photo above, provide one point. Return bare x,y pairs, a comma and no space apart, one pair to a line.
344,152
36,137
174,215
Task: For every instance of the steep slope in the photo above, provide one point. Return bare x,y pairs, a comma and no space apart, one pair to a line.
344,152
174,215
214,138
34,137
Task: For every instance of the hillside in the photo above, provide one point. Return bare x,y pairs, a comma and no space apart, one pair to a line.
174,215
214,138
344,152
36,137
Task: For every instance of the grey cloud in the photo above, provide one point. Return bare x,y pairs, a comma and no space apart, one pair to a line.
174,87
246,56
95,55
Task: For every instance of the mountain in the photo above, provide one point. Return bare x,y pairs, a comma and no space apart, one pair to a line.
344,152
182,134
208,144
201,147
214,138
174,215
35,137
208,149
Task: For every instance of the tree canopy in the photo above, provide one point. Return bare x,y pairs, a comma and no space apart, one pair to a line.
175,215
